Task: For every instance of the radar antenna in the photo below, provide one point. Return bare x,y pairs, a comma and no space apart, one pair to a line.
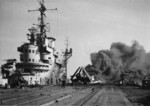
42,10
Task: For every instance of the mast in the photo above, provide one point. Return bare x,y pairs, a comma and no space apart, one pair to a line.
42,24
67,55
41,36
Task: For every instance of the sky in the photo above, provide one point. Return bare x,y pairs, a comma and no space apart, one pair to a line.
90,25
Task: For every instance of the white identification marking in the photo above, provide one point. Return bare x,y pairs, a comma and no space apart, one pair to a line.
47,104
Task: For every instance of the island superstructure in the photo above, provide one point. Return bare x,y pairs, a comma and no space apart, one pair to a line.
39,60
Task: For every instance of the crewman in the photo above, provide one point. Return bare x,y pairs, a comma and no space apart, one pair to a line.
63,79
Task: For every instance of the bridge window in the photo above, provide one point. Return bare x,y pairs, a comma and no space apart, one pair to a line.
32,60
45,61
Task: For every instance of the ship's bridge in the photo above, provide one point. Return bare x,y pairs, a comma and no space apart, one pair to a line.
33,67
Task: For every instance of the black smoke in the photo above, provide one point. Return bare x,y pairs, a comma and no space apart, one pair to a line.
121,58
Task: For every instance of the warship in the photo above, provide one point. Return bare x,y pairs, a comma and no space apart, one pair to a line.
40,63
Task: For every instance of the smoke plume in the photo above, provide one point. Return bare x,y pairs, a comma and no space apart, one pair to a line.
121,58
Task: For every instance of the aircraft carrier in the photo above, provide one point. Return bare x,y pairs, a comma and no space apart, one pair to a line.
36,79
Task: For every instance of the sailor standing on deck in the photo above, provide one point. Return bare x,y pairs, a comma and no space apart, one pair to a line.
63,79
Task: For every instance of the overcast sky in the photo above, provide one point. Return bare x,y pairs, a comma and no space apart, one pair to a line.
91,25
